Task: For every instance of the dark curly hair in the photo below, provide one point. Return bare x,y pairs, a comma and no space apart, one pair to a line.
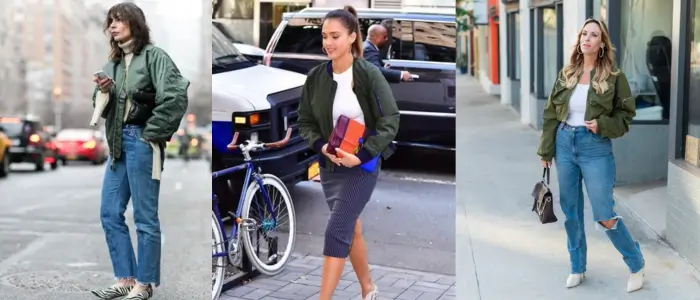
133,17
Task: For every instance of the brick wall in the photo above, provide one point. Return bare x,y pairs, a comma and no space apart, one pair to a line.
683,211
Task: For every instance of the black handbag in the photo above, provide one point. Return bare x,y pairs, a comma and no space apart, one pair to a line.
543,205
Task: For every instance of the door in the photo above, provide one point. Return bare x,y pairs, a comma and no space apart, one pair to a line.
426,49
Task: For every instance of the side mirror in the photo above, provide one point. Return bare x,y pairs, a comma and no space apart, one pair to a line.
2,129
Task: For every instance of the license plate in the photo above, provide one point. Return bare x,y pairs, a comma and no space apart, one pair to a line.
71,157
15,142
17,149
314,170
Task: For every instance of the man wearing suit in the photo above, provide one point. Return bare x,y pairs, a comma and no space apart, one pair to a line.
376,37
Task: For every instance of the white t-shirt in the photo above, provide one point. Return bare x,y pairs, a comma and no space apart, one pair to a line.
345,101
577,106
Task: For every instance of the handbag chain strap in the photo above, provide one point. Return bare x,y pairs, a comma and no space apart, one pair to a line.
544,200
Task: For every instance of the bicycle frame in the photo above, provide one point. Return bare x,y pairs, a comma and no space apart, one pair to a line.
249,168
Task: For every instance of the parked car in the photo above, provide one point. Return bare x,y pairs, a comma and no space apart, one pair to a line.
75,144
422,42
30,143
242,103
5,144
172,148
249,51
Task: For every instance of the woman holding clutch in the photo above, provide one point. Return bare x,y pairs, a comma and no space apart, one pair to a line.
146,100
347,87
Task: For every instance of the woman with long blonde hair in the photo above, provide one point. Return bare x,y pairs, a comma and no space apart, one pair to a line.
590,104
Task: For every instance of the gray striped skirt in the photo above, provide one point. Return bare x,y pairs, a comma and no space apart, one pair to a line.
347,191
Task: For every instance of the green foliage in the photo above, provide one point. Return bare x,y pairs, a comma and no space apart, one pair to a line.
464,17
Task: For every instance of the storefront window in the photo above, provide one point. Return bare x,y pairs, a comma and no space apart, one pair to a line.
645,55
694,80
234,9
514,46
600,10
549,47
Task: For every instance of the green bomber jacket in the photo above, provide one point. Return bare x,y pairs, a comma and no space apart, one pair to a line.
376,100
154,68
613,110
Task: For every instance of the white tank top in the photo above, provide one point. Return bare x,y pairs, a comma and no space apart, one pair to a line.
577,106
345,101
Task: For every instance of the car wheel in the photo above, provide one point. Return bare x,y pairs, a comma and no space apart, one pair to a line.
64,162
54,165
5,165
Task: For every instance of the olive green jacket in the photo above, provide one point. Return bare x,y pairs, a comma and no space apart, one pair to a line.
153,69
376,100
613,111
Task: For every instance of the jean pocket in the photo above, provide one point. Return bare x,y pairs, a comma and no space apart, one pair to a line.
599,138
144,141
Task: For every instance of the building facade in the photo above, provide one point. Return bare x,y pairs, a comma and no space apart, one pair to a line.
658,48
254,21
13,88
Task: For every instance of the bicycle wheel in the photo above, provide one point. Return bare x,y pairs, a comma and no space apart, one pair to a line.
218,263
267,228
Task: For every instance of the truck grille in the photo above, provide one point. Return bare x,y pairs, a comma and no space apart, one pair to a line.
284,112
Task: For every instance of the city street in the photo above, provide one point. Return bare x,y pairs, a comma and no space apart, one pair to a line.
504,252
408,226
52,245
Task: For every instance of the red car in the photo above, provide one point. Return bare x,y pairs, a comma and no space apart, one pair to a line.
81,145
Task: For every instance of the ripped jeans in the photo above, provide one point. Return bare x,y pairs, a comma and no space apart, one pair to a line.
583,155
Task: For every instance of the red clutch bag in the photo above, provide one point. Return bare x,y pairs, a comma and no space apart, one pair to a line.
346,135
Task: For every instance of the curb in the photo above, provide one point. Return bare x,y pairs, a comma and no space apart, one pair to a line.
641,230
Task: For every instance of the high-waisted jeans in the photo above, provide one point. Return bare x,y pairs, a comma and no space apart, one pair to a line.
130,178
583,155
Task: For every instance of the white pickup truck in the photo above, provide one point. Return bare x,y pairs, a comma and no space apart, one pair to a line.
258,102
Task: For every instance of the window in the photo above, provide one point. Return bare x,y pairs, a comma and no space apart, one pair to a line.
693,108
550,49
434,42
533,49
600,10
424,41
235,9
645,55
301,36
514,46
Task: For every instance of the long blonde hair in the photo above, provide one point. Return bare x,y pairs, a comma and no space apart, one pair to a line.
604,64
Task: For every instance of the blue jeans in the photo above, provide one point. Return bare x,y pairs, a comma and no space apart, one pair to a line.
130,178
583,155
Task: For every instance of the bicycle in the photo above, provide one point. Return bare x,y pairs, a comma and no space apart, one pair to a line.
229,247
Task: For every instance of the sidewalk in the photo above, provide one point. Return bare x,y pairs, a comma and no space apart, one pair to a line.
301,280
504,252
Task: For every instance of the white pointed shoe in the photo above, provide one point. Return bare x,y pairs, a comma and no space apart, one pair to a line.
372,295
636,281
574,280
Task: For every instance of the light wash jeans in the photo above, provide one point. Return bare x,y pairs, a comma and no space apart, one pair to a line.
581,154
130,178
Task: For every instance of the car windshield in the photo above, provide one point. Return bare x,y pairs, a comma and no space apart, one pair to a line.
11,129
74,134
222,50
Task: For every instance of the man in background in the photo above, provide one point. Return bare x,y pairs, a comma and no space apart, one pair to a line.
377,35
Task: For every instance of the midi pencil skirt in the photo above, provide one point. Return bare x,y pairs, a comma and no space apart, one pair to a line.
347,191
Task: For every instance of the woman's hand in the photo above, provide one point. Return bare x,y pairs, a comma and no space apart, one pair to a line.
324,150
103,84
592,126
346,159
546,164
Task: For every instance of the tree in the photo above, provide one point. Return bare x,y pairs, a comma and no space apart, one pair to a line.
465,15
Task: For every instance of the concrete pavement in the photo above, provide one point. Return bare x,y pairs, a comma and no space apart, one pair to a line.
301,280
409,230
503,250
52,245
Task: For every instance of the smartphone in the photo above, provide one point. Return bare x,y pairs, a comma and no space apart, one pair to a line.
414,76
100,74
